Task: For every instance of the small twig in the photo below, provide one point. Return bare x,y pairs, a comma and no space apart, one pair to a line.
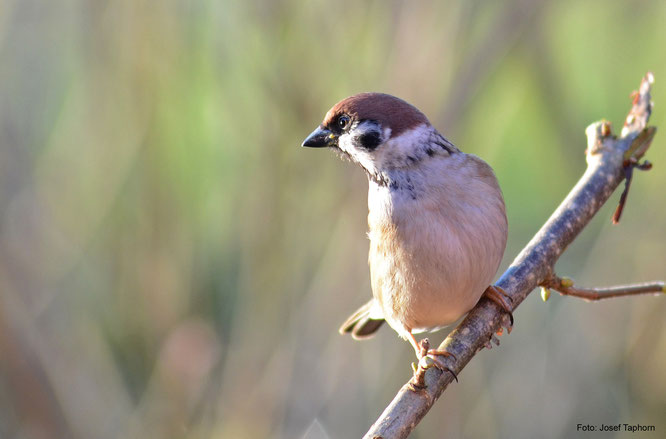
636,150
565,286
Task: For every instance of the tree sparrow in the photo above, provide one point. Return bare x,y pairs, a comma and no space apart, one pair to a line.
437,223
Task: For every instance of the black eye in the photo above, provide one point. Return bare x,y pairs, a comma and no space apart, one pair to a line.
343,121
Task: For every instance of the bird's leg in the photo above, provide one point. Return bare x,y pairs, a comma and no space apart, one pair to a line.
420,348
501,298
423,350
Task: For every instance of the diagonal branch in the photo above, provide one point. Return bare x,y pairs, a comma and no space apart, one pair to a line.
608,157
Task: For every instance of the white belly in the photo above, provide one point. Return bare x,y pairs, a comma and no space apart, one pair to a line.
432,257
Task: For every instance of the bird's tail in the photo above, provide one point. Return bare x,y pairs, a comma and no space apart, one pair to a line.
362,324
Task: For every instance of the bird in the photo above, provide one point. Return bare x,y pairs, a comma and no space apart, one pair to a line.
437,221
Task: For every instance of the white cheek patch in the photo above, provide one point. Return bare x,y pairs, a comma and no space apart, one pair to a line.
402,150
363,158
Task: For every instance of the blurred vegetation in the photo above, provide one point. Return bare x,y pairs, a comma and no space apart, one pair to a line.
174,265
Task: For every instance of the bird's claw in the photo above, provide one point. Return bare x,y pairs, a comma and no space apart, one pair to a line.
503,300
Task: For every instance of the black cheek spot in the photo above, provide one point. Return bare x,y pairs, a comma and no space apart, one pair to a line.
370,140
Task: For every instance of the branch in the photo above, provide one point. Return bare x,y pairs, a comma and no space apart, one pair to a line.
566,287
608,159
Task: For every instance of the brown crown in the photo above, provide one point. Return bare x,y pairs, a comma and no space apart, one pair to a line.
389,111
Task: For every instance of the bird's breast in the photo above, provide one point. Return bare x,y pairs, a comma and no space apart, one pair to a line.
431,257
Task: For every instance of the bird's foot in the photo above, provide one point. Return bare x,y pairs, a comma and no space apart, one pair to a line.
435,358
503,300
430,358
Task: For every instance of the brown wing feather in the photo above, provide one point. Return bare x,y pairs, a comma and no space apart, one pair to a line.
360,325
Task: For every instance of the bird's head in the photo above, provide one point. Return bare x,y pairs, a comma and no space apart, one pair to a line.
379,132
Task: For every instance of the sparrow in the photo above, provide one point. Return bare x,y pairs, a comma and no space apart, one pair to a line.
436,218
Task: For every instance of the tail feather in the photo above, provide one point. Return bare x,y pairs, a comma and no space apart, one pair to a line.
361,325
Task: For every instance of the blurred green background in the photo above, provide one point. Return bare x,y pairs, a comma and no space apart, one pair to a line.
174,265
